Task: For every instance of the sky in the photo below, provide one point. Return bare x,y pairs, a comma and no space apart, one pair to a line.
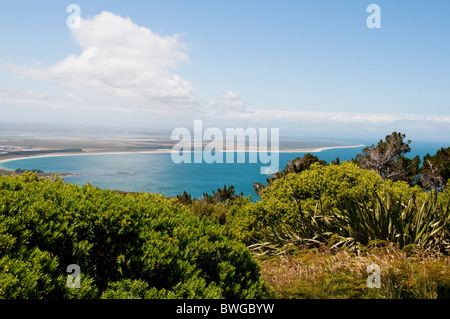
308,67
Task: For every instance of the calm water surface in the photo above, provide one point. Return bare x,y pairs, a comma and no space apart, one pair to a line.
156,173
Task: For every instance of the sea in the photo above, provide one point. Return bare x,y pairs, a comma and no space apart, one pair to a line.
157,173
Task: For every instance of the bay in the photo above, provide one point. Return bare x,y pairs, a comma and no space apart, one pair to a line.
156,173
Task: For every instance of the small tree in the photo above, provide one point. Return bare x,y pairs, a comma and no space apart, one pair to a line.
435,171
185,198
388,160
221,195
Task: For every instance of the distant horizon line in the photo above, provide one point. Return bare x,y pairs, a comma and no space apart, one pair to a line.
27,126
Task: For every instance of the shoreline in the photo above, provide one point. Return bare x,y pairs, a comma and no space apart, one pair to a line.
161,151
78,154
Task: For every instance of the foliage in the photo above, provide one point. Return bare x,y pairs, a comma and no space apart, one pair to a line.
296,165
130,246
292,209
184,198
343,204
19,171
435,171
240,219
203,208
406,221
388,160
222,195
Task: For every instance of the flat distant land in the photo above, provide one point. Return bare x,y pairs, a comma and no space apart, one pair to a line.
19,142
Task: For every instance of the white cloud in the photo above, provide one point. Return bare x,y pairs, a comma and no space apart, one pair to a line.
124,60
231,102
227,105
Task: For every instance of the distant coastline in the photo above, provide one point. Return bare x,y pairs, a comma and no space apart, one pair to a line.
156,151
22,144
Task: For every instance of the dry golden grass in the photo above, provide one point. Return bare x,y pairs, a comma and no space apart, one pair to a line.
343,274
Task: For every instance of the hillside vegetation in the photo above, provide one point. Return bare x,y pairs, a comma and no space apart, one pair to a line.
127,246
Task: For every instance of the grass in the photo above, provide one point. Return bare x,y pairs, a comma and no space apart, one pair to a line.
325,274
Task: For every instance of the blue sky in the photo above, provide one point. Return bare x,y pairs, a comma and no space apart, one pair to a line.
312,68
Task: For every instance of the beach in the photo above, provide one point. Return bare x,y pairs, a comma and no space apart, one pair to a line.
4,171
21,144
16,145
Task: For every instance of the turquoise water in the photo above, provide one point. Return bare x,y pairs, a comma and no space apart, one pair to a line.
156,173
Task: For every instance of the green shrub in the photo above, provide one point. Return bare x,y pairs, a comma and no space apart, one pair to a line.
293,209
343,204
214,211
130,246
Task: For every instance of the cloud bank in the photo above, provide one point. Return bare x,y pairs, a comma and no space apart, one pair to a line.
123,60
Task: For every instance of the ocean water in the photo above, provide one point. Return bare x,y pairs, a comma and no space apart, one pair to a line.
156,172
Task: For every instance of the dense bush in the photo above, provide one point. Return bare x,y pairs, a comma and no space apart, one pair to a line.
127,246
320,186
288,207
346,205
